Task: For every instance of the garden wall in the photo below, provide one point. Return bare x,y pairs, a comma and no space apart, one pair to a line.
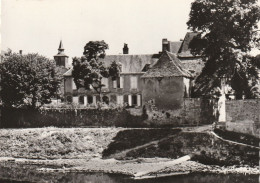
243,116
193,112
16,118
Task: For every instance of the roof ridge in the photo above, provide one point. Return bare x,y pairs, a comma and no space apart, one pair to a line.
179,67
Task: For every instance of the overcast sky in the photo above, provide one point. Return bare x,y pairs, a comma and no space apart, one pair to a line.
39,25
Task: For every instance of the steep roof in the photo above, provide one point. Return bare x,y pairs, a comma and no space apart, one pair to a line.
185,50
60,51
168,65
174,46
68,73
195,66
61,46
129,63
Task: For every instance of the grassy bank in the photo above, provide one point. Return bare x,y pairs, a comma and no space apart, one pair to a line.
55,143
124,144
43,151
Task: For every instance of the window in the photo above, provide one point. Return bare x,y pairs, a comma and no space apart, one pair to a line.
115,84
69,99
81,100
104,81
125,99
133,82
97,98
90,99
105,99
134,100
120,99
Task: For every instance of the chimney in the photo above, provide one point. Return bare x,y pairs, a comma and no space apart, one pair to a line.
165,45
125,49
20,52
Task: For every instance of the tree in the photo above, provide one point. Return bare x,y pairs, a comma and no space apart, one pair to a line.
89,70
28,80
227,31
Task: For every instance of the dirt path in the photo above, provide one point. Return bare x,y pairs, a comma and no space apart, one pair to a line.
205,128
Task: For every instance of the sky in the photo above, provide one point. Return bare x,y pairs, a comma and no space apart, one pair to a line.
39,25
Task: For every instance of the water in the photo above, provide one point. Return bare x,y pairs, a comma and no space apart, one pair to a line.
11,172
114,178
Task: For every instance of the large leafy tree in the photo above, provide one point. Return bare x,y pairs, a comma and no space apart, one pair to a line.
89,70
227,31
29,80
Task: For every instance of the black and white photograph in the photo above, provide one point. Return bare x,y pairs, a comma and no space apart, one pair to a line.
129,91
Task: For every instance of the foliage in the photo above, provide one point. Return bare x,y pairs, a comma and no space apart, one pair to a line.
227,31
88,70
28,80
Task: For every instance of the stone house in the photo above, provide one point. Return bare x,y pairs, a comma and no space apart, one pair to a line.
164,75
126,90
166,83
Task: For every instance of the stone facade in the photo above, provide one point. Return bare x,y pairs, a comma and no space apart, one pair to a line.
131,89
127,90
243,116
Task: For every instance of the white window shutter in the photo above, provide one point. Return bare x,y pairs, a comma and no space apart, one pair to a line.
121,82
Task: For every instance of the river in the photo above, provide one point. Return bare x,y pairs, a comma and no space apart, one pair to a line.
115,178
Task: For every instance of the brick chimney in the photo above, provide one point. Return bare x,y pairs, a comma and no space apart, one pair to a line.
125,49
165,45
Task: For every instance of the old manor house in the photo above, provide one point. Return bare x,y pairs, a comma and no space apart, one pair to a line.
163,78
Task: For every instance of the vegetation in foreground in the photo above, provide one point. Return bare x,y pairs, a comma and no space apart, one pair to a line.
56,143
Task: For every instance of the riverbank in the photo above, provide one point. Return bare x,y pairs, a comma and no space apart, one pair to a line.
127,151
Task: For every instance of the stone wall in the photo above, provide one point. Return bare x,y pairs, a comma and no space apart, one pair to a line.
243,116
18,118
192,112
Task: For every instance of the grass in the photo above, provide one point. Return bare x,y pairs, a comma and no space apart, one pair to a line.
238,137
55,143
